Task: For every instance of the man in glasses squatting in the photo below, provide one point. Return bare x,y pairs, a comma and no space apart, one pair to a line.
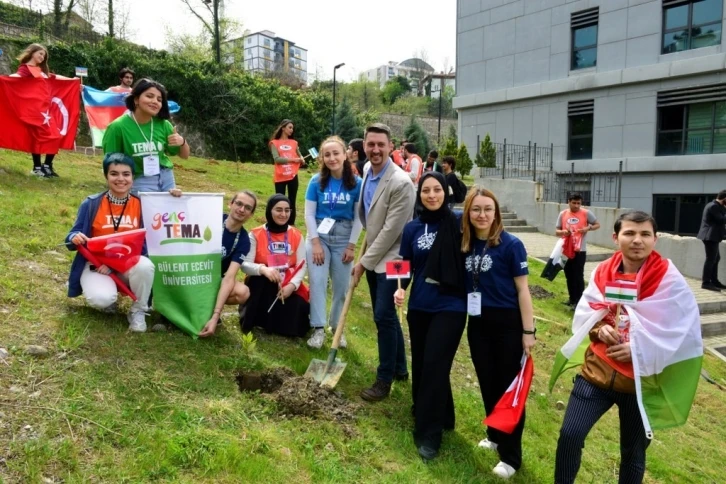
235,246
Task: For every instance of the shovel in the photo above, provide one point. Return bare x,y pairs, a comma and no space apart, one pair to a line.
328,373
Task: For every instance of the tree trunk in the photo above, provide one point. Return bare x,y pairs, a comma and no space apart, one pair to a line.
110,18
57,17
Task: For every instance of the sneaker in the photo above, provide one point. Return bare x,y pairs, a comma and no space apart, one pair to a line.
488,444
377,392
112,309
50,172
137,321
342,344
505,471
427,453
317,339
710,287
39,173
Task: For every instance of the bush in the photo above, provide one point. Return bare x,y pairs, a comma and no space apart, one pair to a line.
346,125
486,157
449,144
415,134
463,161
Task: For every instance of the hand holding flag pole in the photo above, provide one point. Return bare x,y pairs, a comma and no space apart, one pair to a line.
398,269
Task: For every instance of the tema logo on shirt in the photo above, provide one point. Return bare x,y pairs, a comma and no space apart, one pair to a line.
178,230
573,220
285,147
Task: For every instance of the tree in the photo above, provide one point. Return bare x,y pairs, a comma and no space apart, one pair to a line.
486,157
345,122
415,134
203,10
450,143
110,18
62,16
463,161
194,47
92,12
421,68
395,87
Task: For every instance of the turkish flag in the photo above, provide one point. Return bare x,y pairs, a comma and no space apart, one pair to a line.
508,411
39,115
119,251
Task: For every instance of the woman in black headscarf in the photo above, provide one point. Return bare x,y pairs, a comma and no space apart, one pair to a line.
436,310
275,264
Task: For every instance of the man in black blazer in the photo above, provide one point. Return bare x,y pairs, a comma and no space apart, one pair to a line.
712,232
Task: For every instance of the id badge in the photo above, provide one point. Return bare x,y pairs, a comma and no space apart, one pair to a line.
473,304
325,226
277,261
151,165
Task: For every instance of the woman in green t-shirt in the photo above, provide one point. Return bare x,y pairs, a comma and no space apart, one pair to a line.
146,135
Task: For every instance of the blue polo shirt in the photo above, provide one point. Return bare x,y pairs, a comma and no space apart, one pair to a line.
371,184
498,267
335,201
416,243
230,251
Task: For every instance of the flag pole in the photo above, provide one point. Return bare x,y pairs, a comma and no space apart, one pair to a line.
400,308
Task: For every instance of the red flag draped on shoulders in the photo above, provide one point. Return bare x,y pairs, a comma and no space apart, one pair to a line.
38,115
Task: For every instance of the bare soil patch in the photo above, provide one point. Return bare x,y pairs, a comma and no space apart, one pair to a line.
539,292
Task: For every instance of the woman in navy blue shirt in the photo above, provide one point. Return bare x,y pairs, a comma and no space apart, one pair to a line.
501,320
436,310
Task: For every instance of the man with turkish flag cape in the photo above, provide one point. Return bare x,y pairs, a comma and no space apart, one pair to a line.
39,115
508,411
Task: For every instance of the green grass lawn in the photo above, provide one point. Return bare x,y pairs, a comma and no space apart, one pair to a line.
109,406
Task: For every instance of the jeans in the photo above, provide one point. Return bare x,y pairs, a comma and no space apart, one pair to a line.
575,274
333,245
163,182
292,186
710,266
100,290
587,404
391,349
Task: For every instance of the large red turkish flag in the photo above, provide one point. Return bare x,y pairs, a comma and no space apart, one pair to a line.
39,115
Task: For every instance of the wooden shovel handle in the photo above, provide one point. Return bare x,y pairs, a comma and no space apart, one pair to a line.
346,304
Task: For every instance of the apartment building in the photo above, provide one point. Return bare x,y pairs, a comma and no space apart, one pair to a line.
414,69
263,51
604,81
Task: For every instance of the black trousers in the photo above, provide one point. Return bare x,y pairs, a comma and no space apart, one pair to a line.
587,404
292,187
495,341
713,257
48,160
575,274
435,338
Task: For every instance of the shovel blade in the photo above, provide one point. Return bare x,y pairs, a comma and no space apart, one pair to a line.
316,371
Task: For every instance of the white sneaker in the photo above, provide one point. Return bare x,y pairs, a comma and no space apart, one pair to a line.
488,444
39,173
137,321
317,339
505,471
342,343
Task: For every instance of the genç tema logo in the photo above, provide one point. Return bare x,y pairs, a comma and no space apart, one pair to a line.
175,229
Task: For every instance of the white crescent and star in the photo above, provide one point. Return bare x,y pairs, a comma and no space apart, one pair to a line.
63,111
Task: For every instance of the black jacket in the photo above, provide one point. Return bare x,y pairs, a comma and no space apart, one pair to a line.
713,223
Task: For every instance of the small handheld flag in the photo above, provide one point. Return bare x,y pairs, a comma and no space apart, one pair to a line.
621,292
398,269
313,152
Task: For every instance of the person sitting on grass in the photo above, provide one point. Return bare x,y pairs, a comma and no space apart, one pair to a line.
235,247
111,211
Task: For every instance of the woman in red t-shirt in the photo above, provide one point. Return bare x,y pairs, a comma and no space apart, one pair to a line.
34,63
288,160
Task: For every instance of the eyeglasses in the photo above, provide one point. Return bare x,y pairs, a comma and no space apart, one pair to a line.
241,204
478,210
282,210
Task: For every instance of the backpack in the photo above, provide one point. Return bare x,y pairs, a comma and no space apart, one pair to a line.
459,190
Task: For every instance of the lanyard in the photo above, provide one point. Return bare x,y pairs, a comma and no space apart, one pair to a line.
234,245
140,130
332,202
476,266
269,241
116,221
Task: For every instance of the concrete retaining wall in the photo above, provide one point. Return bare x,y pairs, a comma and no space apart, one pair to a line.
521,196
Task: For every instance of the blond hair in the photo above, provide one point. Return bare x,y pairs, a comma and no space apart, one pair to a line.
495,231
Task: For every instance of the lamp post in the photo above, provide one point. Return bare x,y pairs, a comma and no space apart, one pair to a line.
441,95
217,48
335,69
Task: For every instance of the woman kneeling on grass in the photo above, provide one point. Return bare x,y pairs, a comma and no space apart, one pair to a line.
112,211
501,326
436,310
275,263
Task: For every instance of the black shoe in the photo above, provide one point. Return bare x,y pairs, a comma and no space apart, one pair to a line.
377,392
719,285
401,377
568,303
427,453
50,172
710,287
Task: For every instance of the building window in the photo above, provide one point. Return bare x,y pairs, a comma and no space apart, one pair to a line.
584,38
249,40
691,24
267,43
579,138
679,214
692,121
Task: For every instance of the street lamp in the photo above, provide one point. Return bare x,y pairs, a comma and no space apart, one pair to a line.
441,95
334,71
217,52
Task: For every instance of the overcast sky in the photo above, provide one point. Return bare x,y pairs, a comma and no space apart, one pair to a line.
362,33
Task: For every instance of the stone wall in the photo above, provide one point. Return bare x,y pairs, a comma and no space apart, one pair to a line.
398,123
523,197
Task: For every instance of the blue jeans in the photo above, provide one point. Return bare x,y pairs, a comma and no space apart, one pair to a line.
391,349
333,245
163,182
